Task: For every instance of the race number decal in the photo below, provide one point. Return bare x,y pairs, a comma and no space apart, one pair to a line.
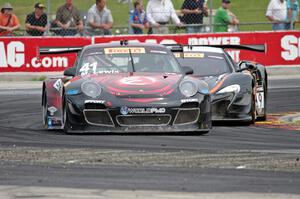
260,99
87,67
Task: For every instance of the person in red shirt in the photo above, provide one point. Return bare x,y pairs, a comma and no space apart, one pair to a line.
9,22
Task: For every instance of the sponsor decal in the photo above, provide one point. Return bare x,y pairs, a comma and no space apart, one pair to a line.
260,101
177,55
52,110
146,110
124,110
58,86
72,92
138,80
189,100
193,55
110,51
49,123
94,101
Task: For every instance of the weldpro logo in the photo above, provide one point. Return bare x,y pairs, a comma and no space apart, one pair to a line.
13,55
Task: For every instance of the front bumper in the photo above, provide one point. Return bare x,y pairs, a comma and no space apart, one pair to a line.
231,107
185,117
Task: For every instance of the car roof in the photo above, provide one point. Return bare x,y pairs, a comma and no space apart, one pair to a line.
130,44
203,49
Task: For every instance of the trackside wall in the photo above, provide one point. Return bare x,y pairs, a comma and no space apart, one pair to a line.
21,54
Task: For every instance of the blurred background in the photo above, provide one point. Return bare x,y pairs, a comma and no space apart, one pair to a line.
251,13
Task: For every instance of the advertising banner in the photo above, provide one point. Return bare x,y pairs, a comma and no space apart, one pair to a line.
21,54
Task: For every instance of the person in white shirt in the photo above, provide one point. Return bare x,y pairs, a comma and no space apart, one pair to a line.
277,14
159,13
99,19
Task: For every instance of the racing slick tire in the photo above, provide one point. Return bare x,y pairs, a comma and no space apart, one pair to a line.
252,111
65,118
45,110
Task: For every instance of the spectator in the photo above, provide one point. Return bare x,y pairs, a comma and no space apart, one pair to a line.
9,22
277,14
99,20
68,18
293,10
193,12
138,19
159,13
36,22
222,18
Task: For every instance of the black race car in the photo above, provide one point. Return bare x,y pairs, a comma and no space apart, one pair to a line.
239,90
120,87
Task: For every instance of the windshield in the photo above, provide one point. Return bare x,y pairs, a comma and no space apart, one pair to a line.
121,62
206,65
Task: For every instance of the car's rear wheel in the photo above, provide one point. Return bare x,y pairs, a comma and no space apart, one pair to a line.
253,110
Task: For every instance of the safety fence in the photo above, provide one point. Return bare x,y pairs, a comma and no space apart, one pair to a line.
251,17
21,54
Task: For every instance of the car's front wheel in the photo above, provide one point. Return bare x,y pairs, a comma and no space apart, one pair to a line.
45,110
65,118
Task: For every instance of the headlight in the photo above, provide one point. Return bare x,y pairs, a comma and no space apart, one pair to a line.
188,88
230,89
91,89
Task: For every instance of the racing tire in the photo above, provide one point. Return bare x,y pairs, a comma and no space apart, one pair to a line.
45,110
65,118
252,112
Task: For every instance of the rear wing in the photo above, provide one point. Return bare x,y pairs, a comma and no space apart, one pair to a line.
256,47
59,50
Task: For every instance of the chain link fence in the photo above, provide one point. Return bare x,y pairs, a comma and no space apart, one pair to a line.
62,21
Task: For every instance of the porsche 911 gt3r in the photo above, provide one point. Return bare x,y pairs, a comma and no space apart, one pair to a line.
126,88
239,91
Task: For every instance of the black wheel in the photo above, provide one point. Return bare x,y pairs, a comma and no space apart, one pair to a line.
65,118
45,110
253,111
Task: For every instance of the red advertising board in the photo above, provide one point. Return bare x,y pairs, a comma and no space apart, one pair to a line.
20,54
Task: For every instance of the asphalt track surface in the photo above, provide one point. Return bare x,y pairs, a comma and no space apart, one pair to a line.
21,133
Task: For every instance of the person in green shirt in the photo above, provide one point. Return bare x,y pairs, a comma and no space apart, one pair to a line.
222,18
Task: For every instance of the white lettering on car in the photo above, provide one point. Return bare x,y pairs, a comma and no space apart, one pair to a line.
94,101
146,110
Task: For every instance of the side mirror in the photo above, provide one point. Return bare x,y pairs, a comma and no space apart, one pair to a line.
251,66
70,72
245,65
188,70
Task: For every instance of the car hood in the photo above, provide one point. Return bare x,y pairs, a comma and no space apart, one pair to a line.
136,84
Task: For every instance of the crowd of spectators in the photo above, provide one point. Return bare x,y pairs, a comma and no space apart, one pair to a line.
155,19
